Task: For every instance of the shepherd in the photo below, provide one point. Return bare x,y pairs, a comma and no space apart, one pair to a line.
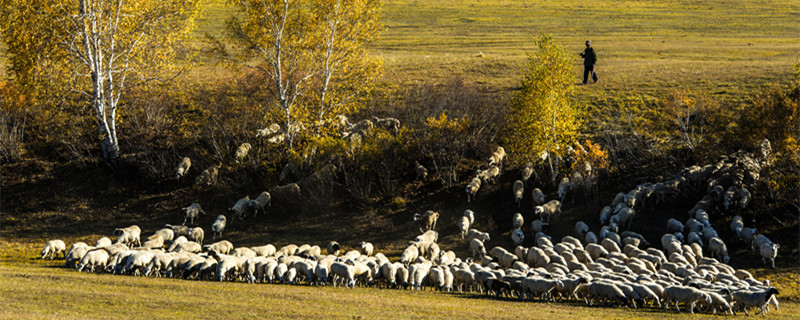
589,60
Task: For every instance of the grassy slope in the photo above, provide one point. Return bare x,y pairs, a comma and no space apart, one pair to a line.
34,288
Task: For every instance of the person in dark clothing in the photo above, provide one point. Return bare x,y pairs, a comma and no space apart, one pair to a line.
589,59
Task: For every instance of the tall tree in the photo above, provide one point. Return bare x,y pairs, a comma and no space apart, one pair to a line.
545,120
101,45
313,53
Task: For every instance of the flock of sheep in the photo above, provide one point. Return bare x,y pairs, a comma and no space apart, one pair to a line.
612,267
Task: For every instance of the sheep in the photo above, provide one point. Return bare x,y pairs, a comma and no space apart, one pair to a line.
344,271
426,221
196,234
602,290
674,226
565,187
746,299
102,242
92,259
737,225
166,234
420,171
172,246
188,246
183,167
541,288
53,248
581,229
191,212
759,241
209,175
687,295
154,242
551,208
718,249
538,196
241,152
177,230
240,208
477,248
471,215
537,226
769,251
489,175
590,238
129,236
497,157
463,226
517,236
517,221
518,190
268,131
475,234
718,302
749,235
366,248
221,247
498,287
744,197
218,226
472,188
75,254
605,215
263,200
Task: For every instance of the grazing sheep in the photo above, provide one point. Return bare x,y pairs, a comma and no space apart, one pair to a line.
538,196
209,175
518,189
240,208
75,254
426,221
93,259
463,226
334,248
196,234
746,299
344,272
472,188
102,242
263,200
154,242
218,226
191,212
53,248
718,249
497,157
165,233
410,254
518,221
221,247
183,167
241,152
367,248
769,251
551,208
688,295
517,236
420,171
475,234
129,236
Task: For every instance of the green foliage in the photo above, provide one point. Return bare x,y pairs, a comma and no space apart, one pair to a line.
544,116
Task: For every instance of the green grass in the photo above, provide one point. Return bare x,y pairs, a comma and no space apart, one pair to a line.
34,288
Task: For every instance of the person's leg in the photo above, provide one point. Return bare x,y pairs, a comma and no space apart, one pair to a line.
594,76
586,70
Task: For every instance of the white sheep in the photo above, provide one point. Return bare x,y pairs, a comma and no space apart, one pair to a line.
497,157
718,249
191,212
737,225
263,200
218,226
420,171
165,233
463,226
527,172
102,242
129,236
538,196
75,254
551,208
475,234
183,167
53,248
93,259
517,236
518,190
517,221
565,187
769,251
367,248
343,271
197,235
209,175
241,152
426,221
471,215
688,295
472,188
221,247
239,208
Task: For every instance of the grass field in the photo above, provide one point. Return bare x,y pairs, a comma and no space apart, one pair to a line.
37,289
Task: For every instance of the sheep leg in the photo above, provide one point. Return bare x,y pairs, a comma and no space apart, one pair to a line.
691,307
676,306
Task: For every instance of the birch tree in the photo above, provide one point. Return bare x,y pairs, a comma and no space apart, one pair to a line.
102,46
313,53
